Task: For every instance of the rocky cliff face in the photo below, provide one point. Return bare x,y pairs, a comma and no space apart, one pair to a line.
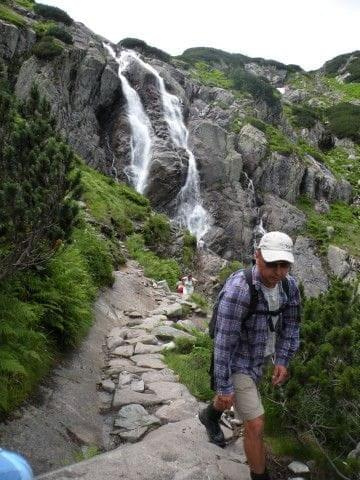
244,178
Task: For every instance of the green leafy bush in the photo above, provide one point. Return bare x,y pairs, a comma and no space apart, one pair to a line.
226,271
304,116
258,87
154,267
53,13
8,15
322,396
157,230
47,48
59,32
344,120
210,76
135,43
189,249
38,188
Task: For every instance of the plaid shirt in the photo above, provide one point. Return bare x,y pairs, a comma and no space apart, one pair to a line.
240,342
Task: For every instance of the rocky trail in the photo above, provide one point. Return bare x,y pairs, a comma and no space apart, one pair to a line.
115,394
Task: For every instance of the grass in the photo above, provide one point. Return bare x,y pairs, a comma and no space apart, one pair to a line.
345,220
350,91
154,266
337,160
192,366
8,15
209,76
113,203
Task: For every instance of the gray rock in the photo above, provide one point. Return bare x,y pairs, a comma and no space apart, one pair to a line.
168,333
113,342
153,361
279,215
133,416
126,396
145,339
134,333
108,386
307,268
337,260
164,375
125,378
137,385
298,467
124,351
252,145
177,410
163,285
134,435
169,390
141,348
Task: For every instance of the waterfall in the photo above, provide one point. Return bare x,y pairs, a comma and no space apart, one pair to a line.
190,213
138,170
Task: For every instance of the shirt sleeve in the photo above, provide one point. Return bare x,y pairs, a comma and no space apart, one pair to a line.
232,308
288,338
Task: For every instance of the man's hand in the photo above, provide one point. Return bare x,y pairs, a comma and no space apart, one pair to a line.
223,402
280,374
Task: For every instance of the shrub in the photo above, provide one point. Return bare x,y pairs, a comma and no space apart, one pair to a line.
157,230
211,76
322,396
228,270
332,67
344,120
184,345
47,48
354,70
154,267
53,13
8,15
258,87
189,249
303,116
59,32
135,43
38,188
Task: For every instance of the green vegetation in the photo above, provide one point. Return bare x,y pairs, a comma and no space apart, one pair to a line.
38,189
154,267
8,15
156,230
29,4
53,13
354,70
210,76
228,270
189,250
47,48
200,300
238,123
135,43
114,204
344,120
258,87
191,361
303,116
350,91
342,217
322,397
51,29
337,160
278,142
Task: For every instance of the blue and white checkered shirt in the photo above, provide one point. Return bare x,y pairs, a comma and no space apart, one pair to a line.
240,342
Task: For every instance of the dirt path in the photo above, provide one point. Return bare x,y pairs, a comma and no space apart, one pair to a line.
64,412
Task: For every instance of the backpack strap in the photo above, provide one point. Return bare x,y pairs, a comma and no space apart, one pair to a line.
254,296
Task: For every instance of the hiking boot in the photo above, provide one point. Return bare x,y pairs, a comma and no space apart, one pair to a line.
260,476
210,417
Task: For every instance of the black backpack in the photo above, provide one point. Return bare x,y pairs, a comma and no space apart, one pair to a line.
254,297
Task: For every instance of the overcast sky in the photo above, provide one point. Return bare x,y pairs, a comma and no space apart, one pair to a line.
304,32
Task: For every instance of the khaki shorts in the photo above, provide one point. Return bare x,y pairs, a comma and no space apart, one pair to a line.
247,397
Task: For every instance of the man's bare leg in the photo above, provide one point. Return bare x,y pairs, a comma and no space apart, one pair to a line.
254,444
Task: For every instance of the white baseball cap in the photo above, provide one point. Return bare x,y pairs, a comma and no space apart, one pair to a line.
276,246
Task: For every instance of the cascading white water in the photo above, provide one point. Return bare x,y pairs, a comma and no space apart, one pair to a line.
138,170
190,213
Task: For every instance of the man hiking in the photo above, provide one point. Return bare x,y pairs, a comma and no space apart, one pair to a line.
257,319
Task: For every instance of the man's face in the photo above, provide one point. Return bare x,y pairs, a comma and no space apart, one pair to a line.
271,273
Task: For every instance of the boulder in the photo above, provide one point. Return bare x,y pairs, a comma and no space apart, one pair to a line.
338,261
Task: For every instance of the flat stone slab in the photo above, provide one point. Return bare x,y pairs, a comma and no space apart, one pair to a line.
125,378
118,365
134,333
176,451
168,333
177,411
141,348
124,351
165,375
169,390
113,342
132,436
126,396
153,360
151,322
146,339
133,416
